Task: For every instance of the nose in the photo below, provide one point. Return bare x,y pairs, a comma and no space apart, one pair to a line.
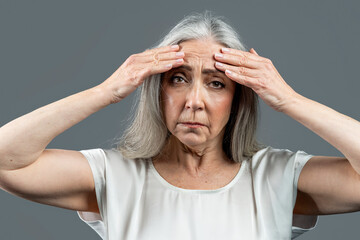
195,96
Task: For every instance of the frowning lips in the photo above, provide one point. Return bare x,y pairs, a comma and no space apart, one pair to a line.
193,123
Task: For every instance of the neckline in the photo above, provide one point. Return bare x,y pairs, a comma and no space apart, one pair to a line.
201,191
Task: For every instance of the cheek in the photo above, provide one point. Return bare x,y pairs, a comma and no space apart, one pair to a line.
170,107
217,105
222,109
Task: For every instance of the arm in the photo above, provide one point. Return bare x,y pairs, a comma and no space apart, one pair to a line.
24,139
339,130
47,176
326,185
58,177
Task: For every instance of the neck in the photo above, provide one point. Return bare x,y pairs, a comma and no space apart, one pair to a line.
195,160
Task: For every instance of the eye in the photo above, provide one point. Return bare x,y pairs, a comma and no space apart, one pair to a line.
218,84
176,79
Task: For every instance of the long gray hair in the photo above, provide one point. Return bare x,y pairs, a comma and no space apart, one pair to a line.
148,133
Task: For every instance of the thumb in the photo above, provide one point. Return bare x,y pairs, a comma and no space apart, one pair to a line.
253,51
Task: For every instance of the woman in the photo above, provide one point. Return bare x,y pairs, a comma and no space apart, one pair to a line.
189,166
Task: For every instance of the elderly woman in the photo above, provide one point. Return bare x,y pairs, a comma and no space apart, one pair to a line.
189,166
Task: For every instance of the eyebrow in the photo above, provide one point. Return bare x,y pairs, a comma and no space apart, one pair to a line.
204,71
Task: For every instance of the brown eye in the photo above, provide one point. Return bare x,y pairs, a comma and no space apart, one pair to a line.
176,79
218,84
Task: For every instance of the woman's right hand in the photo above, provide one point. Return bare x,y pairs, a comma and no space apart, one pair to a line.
137,67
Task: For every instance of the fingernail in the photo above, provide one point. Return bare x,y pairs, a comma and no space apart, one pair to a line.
228,71
168,65
180,54
179,60
225,49
219,64
174,46
219,55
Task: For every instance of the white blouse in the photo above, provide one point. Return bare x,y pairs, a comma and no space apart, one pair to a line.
135,202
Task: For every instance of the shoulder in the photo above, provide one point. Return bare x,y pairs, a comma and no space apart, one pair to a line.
278,160
113,159
269,154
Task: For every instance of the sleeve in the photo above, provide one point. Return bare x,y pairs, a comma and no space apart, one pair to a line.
96,159
301,223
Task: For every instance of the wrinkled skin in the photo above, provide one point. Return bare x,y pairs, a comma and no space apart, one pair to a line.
190,95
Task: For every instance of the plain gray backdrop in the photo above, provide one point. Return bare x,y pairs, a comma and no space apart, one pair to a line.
52,49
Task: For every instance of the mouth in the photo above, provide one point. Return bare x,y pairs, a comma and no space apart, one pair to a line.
192,124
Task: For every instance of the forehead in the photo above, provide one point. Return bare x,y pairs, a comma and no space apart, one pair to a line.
200,51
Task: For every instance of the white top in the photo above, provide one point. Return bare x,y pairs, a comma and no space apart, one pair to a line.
136,203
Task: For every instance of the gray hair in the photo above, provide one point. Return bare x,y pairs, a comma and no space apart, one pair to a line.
148,133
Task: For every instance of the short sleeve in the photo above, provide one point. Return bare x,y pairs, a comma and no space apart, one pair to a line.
301,223
96,159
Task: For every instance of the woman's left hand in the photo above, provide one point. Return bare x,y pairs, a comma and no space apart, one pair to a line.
257,73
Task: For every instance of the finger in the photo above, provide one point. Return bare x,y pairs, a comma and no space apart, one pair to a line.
253,51
241,53
237,60
165,56
169,48
239,70
165,66
241,79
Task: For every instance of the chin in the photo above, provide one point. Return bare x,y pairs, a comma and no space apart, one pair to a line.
191,141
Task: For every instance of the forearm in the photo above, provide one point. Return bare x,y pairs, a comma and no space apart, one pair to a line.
25,138
339,130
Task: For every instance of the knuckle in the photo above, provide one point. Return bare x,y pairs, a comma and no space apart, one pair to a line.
268,65
242,70
267,60
248,55
242,60
131,58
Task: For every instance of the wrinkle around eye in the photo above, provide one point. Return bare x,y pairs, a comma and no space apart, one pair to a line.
222,85
175,77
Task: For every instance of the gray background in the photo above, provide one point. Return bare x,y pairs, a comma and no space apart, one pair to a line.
52,49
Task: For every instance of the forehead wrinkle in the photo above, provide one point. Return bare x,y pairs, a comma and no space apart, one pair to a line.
199,59
205,71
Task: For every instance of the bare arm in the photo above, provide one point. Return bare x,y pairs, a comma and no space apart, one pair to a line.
326,185
24,139
59,177
47,176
